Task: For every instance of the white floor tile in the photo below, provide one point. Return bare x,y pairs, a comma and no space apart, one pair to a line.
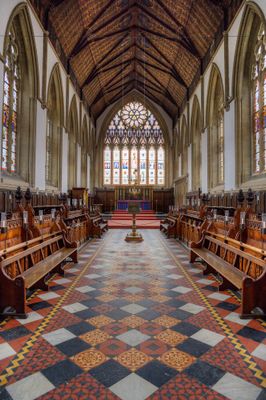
6,351
192,308
31,317
75,307
181,289
58,336
260,352
219,296
133,387
235,388
208,337
48,296
30,388
234,317
85,289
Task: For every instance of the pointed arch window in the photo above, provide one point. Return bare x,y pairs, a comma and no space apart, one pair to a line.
259,104
134,146
10,107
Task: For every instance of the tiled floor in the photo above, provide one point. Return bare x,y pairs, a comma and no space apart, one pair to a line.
131,322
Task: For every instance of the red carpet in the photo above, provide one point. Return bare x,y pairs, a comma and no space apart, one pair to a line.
123,220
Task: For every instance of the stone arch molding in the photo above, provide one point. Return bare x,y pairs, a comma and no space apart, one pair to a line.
55,77
20,22
215,76
135,96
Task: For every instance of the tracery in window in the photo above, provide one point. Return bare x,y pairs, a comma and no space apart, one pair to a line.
134,147
10,106
259,104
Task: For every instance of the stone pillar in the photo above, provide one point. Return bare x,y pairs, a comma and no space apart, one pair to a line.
229,148
1,104
189,167
40,147
204,163
78,165
88,172
64,161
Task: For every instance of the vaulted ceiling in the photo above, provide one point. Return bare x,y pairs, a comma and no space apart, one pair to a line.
158,47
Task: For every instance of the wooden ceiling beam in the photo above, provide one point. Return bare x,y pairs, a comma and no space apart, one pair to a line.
83,41
168,62
97,68
187,38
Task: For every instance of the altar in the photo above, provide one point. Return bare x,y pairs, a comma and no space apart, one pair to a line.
144,204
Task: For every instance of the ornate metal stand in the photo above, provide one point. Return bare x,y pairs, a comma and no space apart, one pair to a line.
134,236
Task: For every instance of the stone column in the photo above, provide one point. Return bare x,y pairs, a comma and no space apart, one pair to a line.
229,148
204,163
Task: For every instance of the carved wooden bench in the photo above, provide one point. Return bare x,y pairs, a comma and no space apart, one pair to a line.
168,226
238,268
29,269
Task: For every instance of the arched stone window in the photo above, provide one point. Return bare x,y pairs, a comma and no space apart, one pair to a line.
184,141
54,129
19,102
72,140
258,77
134,148
215,121
250,92
196,143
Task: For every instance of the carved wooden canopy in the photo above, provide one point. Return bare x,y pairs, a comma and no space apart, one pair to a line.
159,47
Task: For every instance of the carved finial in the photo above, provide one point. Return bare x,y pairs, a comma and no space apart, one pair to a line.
18,195
250,197
240,197
28,195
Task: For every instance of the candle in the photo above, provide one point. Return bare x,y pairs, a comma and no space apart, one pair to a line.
41,215
242,218
226,216
53,213
25,217
3,220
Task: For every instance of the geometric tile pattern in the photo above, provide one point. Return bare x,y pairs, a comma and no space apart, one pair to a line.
132,322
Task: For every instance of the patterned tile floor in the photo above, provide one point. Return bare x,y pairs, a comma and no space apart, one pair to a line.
131,322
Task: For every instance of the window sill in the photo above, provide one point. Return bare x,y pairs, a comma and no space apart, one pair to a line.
11,183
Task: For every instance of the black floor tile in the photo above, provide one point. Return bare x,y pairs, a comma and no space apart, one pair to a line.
61,372
253,334
109,373
156,373
73,346
80,328
86,314
180,314
146,303
185,328
194,347
117,314
148,314
175,302
40,305
227,306
91,302
205,373
15,333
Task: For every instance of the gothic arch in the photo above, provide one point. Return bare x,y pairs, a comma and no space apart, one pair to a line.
55,121
19,26
252,20
215,126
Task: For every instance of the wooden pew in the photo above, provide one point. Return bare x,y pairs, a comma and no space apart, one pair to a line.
191,225
29,269
168,226
238,267
97,225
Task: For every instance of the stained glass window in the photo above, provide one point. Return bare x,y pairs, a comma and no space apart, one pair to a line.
10,107
116,166
125,166
134,139
152,166
143,166
107,166
259,104
161,166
